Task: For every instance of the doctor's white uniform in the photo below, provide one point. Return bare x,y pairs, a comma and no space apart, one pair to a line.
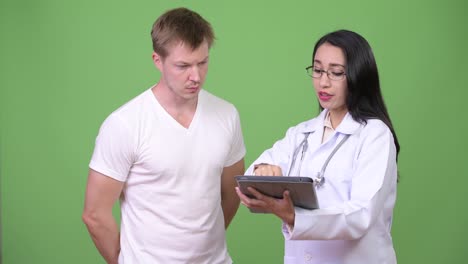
356,199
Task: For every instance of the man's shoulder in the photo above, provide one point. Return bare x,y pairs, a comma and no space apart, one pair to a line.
130,112
135,105
213,101
209,97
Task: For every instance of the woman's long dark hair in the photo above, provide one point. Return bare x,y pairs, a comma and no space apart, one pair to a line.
364,99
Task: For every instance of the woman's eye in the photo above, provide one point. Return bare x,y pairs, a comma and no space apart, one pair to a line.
337,73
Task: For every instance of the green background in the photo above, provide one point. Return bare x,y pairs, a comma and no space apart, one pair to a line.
65,65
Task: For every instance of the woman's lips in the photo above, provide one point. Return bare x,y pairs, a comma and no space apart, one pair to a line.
324,96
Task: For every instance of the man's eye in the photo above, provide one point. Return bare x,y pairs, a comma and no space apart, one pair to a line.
181,66
316,70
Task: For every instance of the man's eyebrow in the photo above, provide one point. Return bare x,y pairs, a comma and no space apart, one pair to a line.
187,63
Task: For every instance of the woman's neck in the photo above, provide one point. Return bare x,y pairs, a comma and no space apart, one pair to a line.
336,117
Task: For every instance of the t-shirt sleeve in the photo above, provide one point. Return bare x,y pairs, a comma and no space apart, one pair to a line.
113,152
237,151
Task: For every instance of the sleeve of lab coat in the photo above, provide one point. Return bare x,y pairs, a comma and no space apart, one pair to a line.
372,183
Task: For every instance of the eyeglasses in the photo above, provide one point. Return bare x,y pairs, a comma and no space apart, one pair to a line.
332,73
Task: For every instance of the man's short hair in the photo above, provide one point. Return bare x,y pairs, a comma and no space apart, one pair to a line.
180,25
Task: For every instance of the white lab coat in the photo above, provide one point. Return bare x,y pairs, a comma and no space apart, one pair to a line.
356,200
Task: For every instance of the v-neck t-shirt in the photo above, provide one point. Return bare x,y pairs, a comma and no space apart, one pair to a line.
171,201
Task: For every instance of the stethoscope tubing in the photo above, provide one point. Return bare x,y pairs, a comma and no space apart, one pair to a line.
319,179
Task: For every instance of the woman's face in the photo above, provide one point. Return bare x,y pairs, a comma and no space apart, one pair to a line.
331,92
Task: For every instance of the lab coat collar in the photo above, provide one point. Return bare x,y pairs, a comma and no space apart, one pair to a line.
347,126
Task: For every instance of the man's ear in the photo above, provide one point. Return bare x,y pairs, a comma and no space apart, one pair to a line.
157,60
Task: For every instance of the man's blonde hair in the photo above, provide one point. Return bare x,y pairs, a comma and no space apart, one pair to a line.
180,25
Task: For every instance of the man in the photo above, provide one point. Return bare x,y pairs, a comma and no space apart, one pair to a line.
171,155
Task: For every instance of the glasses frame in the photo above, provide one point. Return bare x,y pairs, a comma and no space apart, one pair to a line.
333,78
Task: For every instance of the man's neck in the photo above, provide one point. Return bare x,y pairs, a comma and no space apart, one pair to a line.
181,109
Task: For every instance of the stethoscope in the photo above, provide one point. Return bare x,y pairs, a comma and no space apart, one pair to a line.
319,179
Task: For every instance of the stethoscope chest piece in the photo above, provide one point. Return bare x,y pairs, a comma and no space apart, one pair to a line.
319,180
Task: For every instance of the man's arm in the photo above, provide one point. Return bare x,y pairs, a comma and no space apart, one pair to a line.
229,198
101,194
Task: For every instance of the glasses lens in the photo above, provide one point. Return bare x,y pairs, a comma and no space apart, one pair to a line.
333,74
336,75
316,72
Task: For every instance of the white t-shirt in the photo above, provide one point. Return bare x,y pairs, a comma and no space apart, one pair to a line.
171,202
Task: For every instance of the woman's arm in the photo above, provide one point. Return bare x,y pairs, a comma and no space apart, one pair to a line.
373,187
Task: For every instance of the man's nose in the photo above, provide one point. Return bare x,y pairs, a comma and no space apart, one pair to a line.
195,74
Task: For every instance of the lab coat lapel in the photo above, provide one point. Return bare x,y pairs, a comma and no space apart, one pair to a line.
347,126
316,129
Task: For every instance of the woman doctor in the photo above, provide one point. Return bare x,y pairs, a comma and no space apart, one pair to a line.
350,150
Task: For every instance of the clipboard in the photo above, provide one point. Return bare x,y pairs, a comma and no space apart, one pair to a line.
301,189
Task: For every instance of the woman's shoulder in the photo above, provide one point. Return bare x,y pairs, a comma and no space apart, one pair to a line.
310,125
376,124
376,128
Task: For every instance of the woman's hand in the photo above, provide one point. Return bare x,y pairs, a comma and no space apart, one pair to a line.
283,208
264,169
